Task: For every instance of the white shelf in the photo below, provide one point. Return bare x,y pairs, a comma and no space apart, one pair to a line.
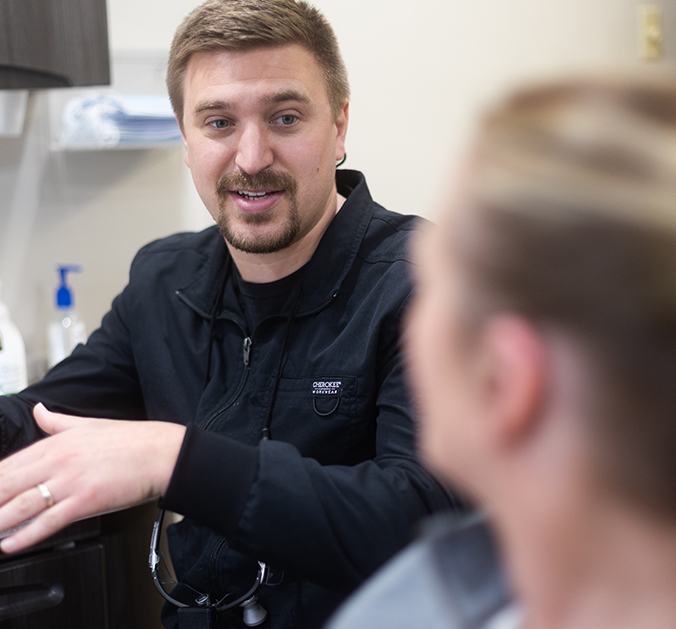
134,73
126,146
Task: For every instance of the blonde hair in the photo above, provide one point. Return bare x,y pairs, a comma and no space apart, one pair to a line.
249,24
574,226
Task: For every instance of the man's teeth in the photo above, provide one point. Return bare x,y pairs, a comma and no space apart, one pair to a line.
247,194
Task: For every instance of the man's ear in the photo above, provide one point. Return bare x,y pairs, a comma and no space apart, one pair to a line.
513,376
342,120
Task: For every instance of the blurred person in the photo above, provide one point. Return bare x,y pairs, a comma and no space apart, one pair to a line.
542,348
263,352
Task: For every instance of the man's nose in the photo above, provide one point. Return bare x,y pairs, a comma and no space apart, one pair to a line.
254,152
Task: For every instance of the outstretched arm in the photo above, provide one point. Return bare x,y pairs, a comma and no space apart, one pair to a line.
83,468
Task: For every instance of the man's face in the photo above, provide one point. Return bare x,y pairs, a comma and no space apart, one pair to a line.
439,366
261,143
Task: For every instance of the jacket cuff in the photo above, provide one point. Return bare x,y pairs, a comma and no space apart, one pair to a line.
211,480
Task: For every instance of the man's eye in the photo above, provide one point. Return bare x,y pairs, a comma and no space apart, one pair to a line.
285,120
219,123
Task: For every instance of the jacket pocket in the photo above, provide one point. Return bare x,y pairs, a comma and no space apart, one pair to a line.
326,396
323,416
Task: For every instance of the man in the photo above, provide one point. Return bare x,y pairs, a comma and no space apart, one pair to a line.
264,350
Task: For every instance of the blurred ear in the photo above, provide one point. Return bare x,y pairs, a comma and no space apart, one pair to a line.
512,376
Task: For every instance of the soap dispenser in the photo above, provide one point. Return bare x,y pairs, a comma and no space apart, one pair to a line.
67,329
12,355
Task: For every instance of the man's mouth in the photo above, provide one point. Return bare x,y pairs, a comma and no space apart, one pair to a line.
256,201
259,194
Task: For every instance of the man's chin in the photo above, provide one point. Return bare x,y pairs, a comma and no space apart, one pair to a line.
259,243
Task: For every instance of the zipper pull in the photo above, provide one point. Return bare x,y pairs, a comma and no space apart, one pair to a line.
246,350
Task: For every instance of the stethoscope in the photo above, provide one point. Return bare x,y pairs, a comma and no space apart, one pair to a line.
253,613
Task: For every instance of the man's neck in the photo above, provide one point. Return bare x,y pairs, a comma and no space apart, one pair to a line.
607,568
270,267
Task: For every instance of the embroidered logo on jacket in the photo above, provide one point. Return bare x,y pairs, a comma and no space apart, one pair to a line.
326,387
326,396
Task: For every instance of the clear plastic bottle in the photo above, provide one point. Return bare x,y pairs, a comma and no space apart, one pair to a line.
12,355
66,330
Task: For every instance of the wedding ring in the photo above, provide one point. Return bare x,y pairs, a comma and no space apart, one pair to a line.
46,494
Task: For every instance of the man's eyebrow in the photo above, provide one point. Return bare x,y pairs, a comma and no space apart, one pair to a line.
212,105
270,99
286,95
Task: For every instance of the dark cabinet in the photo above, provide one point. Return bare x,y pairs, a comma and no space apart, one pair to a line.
53,43
92,575
61,588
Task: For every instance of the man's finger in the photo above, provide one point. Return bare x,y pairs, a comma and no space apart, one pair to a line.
22,470
23,507
53,423
47,523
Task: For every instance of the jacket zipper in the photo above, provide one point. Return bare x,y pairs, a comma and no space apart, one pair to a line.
246,359
246,351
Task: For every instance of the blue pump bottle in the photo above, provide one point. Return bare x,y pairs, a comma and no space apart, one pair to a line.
66,330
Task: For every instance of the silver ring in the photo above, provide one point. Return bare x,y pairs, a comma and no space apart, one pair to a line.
46,494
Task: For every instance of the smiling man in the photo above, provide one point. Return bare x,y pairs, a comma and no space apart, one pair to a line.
262,140
262,353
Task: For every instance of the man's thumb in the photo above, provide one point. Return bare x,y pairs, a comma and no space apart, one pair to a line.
51,423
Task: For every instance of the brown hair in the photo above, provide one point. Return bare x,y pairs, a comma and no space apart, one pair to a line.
249,24
574,226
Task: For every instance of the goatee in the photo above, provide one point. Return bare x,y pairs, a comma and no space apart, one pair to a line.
266,181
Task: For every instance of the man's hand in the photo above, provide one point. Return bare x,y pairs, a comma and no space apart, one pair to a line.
85,467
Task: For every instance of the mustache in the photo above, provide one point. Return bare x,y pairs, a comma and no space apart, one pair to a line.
266,180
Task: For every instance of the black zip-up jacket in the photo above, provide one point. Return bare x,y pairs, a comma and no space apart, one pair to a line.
336,489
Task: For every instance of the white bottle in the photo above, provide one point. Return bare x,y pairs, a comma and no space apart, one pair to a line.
12,355
67,329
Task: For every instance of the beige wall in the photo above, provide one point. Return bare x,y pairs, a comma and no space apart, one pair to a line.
418,71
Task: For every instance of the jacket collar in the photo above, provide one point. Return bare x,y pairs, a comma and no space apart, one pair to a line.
325,271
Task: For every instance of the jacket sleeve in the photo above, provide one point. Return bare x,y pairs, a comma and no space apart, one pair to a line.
331,524
97,379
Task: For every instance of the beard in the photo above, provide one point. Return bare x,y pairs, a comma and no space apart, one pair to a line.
266,180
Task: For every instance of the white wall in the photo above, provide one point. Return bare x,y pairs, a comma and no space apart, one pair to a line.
418,72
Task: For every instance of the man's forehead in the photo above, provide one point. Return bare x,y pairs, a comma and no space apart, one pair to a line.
215,79
290,61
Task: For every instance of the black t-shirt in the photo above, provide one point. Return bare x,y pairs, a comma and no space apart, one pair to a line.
261,300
